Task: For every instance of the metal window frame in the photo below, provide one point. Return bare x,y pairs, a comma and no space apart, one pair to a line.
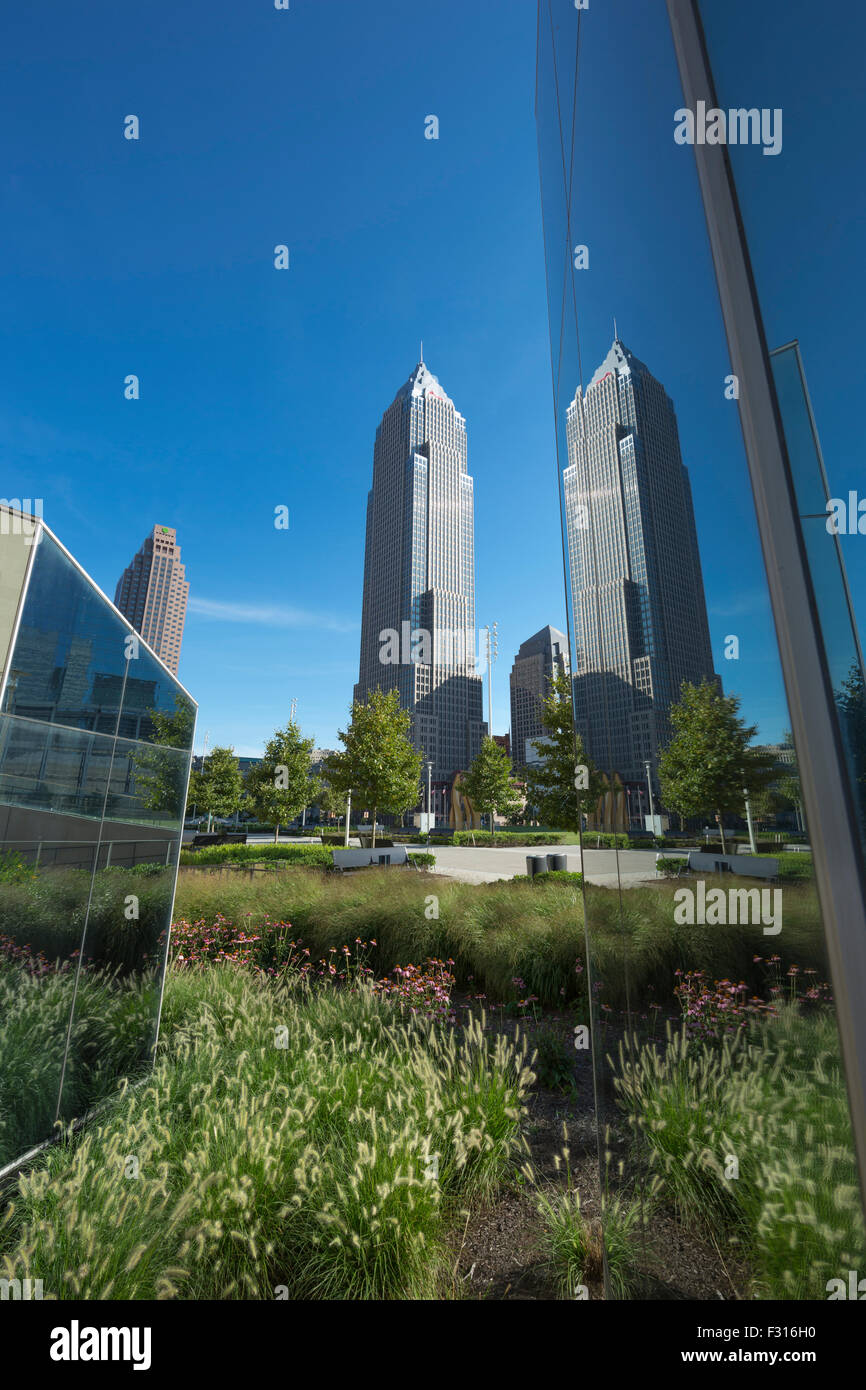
827,798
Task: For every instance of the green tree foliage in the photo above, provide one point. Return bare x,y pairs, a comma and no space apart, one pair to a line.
708,762
785,793
280,786
550,784
218,786
488,782
331,801
160,772
851,701
377,760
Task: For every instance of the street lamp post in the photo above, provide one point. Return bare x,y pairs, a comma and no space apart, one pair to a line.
348,816
649,783
752,842
429,796
203,761
492,653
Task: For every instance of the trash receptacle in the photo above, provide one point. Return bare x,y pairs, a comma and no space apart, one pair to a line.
558,863
536,864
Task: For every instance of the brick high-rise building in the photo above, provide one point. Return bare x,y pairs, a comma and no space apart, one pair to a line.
152,593
418,618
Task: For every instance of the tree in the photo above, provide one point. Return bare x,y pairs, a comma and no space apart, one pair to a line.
708,762
851,701
377,761
550,783
786,791
160,770
331,801
217,787
488,782
280,786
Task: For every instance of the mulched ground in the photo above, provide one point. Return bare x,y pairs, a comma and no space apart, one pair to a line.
499,1253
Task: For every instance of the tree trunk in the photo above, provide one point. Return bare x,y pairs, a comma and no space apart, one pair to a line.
722,832
276,832
374,828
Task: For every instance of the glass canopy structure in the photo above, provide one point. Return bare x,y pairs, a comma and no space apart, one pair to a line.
95,748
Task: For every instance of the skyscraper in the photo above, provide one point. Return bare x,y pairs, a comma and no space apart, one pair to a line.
152,593
538,659
640,616
418,618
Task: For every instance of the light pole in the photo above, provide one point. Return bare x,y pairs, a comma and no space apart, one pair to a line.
348,816
752,842
649,783
429,796
203,761
492,653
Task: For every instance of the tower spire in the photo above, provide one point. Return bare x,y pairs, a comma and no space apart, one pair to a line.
421,359
615,334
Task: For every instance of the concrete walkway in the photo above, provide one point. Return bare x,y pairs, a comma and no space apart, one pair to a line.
472,865
483,865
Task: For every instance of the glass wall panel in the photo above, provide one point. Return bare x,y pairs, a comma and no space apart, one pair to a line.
725,1163
805,243
95,747
824,520
17,541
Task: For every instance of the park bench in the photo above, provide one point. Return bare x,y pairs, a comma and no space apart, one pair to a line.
746,865
224,837
363,858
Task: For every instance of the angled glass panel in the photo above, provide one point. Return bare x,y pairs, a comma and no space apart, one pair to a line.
721,1105
95,740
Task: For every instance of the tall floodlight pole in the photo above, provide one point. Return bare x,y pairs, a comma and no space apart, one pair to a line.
429,796
752,842
649,784
203,760
492,653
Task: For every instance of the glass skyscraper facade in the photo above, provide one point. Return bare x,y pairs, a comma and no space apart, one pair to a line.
95,745
640,615
418,618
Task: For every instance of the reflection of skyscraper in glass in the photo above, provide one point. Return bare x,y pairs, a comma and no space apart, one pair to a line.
419,574
640,615
152,593
538,660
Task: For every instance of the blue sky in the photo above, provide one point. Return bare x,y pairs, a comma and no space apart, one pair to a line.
261,388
